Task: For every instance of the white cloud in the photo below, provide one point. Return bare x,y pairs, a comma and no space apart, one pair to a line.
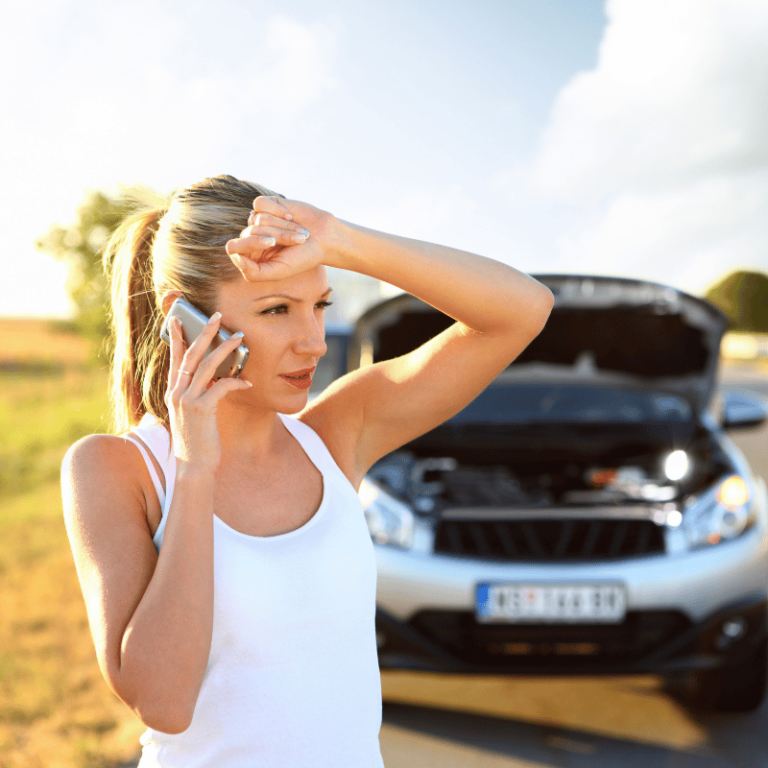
680,92
662,149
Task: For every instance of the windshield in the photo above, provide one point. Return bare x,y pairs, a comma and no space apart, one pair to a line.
526,403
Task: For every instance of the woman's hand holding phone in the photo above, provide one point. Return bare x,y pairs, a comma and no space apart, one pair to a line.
193,395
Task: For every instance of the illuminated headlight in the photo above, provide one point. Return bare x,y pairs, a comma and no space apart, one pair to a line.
676,465
389,520
720,514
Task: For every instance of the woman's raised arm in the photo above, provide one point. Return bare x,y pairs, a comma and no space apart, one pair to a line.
498,312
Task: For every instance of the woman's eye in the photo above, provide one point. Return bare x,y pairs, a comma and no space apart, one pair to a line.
279,310
283,308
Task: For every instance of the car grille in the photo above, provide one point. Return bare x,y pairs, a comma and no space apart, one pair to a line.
549,645
548,540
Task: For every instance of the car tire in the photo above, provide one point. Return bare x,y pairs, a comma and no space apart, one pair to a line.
739,688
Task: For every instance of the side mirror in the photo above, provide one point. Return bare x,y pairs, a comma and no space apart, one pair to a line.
743,409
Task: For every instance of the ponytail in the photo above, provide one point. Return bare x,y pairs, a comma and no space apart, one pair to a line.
137,349
180,245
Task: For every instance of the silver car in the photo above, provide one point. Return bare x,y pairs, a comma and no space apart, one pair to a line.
587,513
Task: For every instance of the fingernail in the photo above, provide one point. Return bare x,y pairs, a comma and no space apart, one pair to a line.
297,238
214,317
248,383
288,216
237,260
305,232
238,335
268,241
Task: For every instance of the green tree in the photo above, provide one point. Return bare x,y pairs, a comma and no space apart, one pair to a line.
80,246
743,296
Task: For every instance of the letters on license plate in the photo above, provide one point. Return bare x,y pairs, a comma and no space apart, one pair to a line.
550,603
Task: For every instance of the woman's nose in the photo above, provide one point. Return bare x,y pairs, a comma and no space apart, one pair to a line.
312,339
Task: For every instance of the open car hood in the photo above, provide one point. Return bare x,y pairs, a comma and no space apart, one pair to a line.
607,331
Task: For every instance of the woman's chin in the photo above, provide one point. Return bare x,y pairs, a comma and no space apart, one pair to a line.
282,402
293,404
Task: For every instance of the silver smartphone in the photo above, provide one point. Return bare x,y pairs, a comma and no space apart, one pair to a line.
192,322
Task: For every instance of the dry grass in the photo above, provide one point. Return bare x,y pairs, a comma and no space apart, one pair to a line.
55,708
24,340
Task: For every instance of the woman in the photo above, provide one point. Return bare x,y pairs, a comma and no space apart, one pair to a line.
226,566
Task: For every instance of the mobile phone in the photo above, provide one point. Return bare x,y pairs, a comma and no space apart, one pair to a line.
192,322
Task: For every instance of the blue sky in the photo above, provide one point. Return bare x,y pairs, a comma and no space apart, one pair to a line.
603,137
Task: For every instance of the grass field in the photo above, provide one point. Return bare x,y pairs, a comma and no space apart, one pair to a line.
55,708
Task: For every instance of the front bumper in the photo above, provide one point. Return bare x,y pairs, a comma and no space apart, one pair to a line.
676,608
662,643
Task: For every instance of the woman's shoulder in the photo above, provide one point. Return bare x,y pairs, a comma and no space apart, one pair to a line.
102,459
339,429
105,475
96,450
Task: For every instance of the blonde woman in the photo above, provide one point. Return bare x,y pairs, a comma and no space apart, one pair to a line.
223,554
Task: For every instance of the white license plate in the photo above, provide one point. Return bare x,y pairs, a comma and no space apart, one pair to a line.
551,603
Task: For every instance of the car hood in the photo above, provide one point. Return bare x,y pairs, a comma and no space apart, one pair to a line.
612,331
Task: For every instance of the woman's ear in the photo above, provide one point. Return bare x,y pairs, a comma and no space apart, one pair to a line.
167,299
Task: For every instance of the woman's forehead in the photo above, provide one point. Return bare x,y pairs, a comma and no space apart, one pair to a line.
307,285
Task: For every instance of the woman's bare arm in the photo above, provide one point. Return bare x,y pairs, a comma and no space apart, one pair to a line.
498,312
151,617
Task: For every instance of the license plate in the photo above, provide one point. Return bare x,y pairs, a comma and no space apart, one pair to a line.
551,603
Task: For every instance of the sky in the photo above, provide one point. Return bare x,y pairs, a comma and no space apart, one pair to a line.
599,136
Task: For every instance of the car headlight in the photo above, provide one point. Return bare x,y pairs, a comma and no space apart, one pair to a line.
720,514
389,520
677,465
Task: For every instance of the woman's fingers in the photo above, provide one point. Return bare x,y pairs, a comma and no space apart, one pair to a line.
208,366
271,204
269,220
193,382
183,373
222,388
253,241
273,247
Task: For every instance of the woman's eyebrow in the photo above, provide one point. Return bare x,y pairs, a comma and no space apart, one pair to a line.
286,296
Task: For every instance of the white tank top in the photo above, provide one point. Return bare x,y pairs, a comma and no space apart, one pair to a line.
292,678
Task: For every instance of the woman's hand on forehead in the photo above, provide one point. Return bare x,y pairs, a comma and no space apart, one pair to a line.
277,242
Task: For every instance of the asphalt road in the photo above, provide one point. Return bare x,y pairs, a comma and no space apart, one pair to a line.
442,721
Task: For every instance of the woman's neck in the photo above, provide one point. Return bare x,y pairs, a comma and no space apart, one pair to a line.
248,431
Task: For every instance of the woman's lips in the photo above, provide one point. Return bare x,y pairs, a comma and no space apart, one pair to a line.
299,379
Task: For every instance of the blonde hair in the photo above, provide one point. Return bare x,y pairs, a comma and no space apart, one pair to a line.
163,245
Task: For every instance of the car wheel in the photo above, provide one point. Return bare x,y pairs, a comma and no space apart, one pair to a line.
739,688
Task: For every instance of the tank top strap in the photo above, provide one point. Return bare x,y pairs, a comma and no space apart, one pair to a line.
151,468
157,438
315,448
